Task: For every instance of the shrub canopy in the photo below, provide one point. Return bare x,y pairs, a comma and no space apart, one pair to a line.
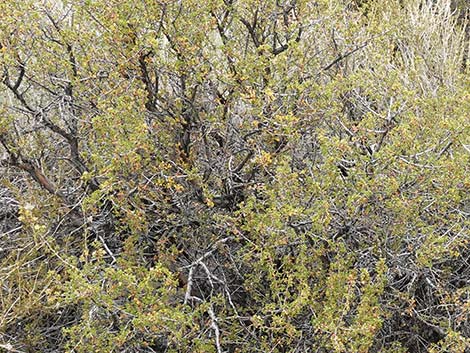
234,176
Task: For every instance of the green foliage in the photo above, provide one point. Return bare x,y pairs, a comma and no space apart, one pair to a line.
234,176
